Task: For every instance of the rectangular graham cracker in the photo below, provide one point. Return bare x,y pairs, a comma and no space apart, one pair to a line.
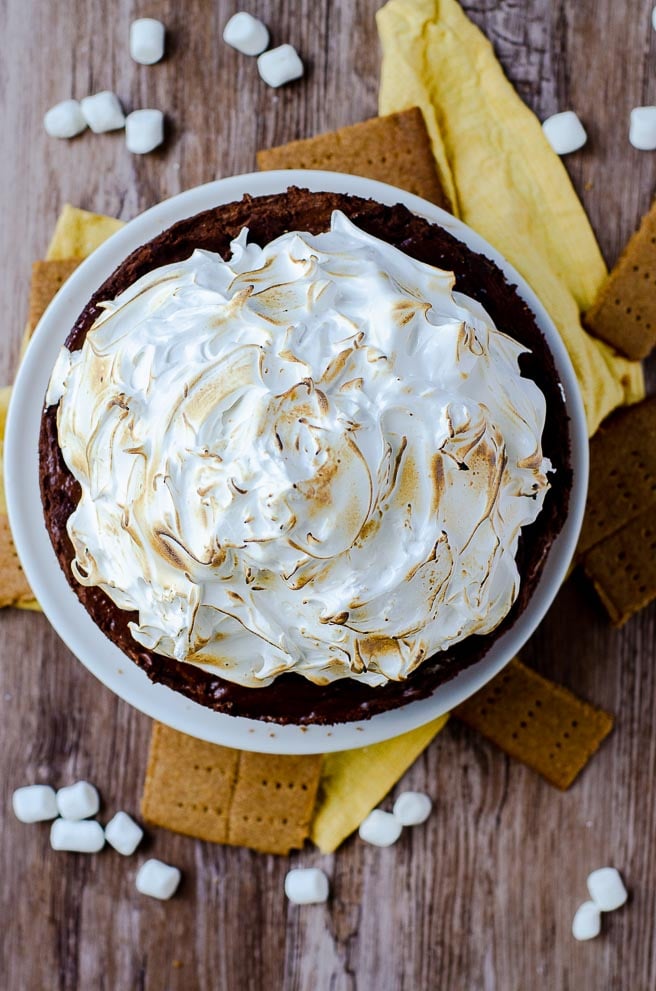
14,590
539,723
624,312
47,279
622,473
622,568
394,149
229,796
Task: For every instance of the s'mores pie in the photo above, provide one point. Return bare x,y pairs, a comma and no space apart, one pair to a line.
303,457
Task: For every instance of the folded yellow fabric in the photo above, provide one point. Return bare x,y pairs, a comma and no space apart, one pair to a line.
77,233
353,782
503,177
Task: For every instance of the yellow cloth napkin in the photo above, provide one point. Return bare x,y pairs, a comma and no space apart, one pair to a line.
354,781
503,177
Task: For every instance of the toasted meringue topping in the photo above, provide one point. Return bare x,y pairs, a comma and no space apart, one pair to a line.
314,457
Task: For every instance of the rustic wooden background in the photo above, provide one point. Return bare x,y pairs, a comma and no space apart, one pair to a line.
482,897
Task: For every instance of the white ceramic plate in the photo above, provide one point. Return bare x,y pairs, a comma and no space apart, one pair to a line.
61,605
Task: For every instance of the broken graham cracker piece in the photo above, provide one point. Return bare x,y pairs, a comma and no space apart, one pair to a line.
624,312
394,149
622,473
14,590
262,801
47,279
539,723
622,568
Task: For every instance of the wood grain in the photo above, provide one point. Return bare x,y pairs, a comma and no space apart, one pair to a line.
482,896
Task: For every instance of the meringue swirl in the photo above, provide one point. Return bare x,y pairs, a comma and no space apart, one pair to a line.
313,457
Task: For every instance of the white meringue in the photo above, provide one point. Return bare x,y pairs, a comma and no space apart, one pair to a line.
313,457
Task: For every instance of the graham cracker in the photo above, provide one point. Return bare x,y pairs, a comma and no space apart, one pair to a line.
622,568
14,589
539,723
214,793
394,149
622,473
47,279
624,312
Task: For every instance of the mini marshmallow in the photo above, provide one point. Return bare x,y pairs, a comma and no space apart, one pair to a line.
306,886
147,40
103,112
412,808
564,132
586,923
245,33
34,803
78,801
642,129
64,120
380,828
123,834
144,131
83,836
280,66
607,889
157,879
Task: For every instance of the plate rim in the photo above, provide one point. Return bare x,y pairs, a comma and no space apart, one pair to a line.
64,610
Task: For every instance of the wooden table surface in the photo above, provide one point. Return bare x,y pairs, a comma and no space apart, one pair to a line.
482,897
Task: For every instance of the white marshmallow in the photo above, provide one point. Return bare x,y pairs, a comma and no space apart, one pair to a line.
144,131
564,132
653,18
84,836
306,886
147,40
642,129
123,833
78,801
245,33
412,808
280,66
157,879
103,112
607,889
64,120
380,828
586,923
34,803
